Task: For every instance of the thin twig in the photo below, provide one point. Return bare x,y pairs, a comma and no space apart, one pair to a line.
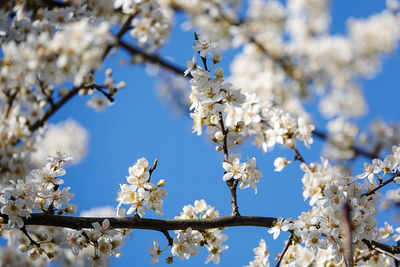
357,150
204,59
383,248
372,191
298,156
169,238
366,256
153,58
39,123
33,242
153,167
232,183
101,90
285,249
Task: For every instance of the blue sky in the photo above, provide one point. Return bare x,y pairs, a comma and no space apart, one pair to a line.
140,125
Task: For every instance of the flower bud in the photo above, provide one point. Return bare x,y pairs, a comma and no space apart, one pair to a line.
121,84
280,164
240,125
34,254
63,92
71,208
239,141
108,72
22,248
219,73
218,148
216,57
219,136
214,119
161,183
290,143
169,260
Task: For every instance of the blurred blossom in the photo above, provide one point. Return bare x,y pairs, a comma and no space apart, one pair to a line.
68,136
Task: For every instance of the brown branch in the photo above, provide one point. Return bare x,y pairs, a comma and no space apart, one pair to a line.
372,191
168,237
383,248
298,156
285,250
101,90
153,58
39,123
152,168
366,256
33,242
78,223
357,150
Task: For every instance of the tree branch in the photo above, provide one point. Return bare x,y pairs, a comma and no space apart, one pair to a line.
78,223
153,58
380,185
39,123
298,156
56,106
357,150
33,242
285,249
383,248
168,237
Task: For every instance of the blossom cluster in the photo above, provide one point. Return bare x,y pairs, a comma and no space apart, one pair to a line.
14,158
140,193
210,97
379,168
38,191
64,60
329,190
187,242
247,173
66,246
151,24
270,125
214,102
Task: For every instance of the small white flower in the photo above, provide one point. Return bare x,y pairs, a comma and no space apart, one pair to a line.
279,226
234,169
203,47
280,163
154,252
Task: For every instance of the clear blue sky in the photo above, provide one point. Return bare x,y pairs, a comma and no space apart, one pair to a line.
139,125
